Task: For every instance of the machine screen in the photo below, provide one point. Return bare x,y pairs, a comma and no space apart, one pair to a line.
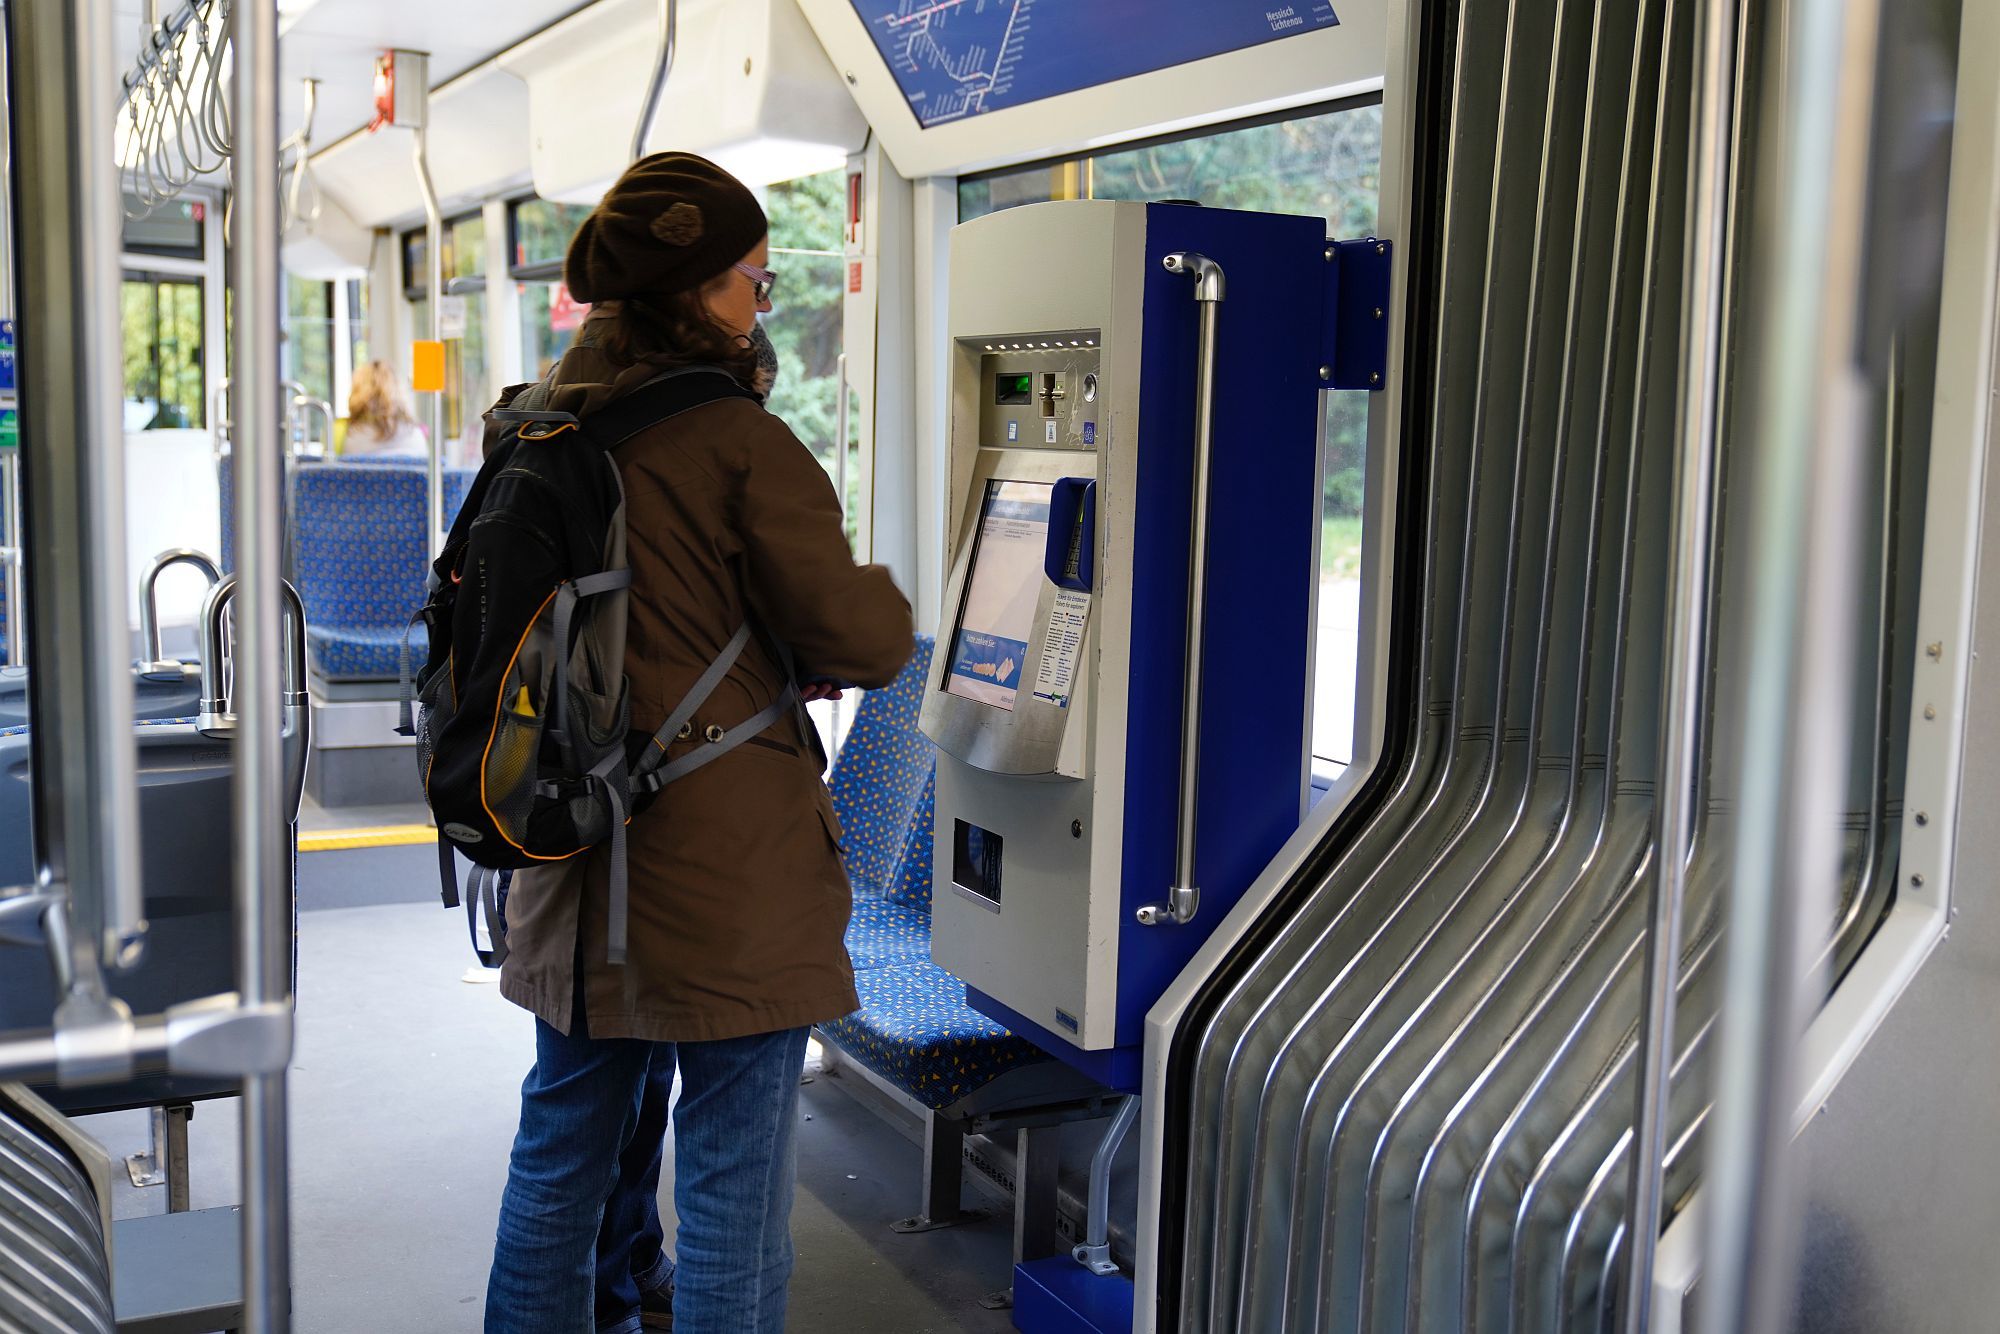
991,643
1012,391
959,58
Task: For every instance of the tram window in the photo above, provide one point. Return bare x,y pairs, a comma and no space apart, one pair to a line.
309,335
466,395
806,323
538,236
1324,162
539,232
162,323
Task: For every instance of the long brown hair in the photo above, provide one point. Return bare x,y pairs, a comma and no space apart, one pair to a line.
670,331
376,401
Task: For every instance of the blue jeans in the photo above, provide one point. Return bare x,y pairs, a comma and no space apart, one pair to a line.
632,1259
581,1187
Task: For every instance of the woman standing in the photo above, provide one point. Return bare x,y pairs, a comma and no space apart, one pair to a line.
738,899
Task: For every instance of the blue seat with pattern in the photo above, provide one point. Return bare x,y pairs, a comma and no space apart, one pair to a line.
880,780
914,1028
363,559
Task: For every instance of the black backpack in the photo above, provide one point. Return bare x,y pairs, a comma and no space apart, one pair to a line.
524,744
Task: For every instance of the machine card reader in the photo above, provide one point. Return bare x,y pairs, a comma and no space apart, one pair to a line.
1135,457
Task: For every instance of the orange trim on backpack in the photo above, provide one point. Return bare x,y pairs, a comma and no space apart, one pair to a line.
555,429
499,702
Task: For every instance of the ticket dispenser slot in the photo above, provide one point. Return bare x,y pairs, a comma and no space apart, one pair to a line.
1083,372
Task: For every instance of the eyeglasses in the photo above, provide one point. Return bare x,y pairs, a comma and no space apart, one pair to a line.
761,281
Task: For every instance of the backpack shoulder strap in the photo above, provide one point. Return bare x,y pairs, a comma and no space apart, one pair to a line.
658,399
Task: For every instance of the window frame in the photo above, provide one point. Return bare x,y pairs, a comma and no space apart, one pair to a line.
416,287
540,271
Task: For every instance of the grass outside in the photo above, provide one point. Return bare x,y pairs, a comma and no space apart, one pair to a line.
1340,546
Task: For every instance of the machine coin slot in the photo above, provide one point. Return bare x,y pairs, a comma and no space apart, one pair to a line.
975,861
1051,392
1071,558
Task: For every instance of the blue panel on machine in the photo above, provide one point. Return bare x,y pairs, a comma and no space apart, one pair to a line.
958,58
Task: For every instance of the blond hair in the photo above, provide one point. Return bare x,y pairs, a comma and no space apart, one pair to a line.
377,401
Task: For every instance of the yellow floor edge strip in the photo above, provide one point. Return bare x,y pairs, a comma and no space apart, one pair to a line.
380,836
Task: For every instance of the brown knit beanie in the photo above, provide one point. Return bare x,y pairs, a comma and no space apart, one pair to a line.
672,222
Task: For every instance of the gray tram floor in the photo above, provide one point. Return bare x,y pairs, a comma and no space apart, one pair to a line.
404,1098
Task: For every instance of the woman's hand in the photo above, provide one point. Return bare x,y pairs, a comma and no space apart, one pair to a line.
812,690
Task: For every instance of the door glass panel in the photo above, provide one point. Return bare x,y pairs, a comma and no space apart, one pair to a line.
162,324
805,324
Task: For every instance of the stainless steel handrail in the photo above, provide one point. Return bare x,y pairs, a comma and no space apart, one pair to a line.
216,711
434,303
656,88
86,773
263,861
221,424
1184,897
1684,666
296,439
1094,1251
10,554
155,659
840,427
1796,653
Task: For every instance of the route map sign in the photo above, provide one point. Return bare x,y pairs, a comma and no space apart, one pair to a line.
958,58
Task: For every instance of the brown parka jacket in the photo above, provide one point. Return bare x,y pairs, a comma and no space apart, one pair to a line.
738,897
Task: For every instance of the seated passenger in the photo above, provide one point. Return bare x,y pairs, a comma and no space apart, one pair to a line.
379,420
738,896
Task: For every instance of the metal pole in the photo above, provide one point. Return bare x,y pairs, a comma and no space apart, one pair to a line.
263,863
1184,898
67,214
840,431
10,551
1683,669
434,265
656,90
1796,654
1094,1251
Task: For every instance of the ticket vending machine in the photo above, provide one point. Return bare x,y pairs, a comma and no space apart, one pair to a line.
1121,695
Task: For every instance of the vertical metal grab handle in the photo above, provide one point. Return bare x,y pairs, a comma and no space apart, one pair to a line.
68,212
420,156
149,601
656,89
219,418
840,421
1696,445
1094,1251
1797,654
10,553
263,852
1184,898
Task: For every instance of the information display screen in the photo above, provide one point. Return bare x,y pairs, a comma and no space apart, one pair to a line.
959,58
990,645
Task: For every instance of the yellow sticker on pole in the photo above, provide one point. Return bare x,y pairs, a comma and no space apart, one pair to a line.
427,366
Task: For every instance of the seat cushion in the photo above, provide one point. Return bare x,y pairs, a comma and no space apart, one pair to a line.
916,1031
883,933
354,653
